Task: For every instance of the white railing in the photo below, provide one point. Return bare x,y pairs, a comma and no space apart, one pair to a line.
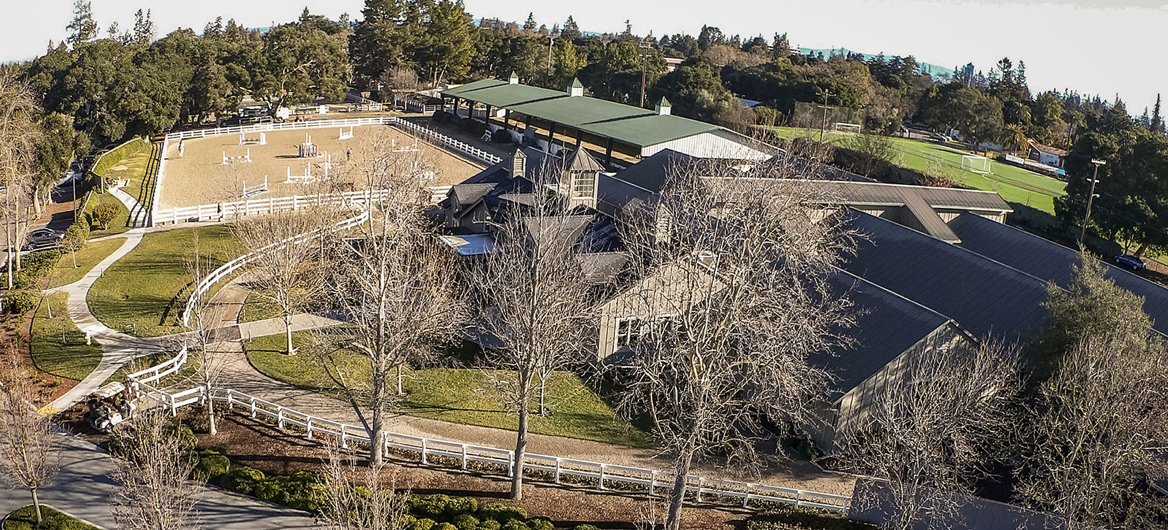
438,138
230,210
157,182
154,373
231,266
556,468
311,124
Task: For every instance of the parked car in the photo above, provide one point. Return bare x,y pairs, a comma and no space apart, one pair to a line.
1130,262
43,238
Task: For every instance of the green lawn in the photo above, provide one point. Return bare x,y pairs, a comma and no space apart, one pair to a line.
25,519
467,396
142,294
1014,184
256,308
58,347
118,225
133,169
64,273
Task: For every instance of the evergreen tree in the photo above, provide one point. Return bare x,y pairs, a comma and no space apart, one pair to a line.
1157,123
570,30
530,24
143,28
83,29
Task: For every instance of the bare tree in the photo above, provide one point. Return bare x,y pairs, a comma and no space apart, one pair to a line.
18,167
533,296
394,285
1092,432
153,470
355,497
30,454
733,295
284,271
928,430
205,317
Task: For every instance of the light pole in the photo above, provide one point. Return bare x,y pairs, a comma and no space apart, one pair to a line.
1091,197
823,124
548,79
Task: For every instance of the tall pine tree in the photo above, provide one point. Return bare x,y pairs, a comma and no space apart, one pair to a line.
1157,124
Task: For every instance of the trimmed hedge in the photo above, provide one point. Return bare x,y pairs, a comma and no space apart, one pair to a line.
119,153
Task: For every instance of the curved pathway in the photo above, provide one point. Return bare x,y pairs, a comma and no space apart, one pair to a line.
238,374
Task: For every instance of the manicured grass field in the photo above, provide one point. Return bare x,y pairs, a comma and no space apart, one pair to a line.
25,519
143,292
1014,184
57,346
87,258
460,395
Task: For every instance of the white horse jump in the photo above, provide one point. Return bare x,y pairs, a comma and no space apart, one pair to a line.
258,189
306,178
234,159
403,149
346,135
262,140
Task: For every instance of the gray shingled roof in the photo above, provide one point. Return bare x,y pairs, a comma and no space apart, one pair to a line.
981,295
1050,261
887,325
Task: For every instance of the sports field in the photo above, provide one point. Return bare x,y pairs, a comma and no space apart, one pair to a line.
199,176
1013,183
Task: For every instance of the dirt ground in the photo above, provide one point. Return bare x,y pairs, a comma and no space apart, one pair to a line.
200,177
260,445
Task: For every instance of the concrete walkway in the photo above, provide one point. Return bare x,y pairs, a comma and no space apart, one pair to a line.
119,348
84,489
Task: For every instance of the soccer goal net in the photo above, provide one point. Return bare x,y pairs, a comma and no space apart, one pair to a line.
975,164
849,127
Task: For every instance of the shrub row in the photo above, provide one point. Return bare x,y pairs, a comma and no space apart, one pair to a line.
790,518
303,491
24,294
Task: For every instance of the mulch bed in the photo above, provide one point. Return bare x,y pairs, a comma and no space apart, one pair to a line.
260,445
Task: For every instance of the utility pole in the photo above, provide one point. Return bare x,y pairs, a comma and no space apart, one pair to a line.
1087,216
644,57
548,80
823,124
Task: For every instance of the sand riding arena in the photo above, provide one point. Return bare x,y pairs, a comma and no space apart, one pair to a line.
268,164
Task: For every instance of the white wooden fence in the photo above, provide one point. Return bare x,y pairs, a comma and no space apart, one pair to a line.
231,266
437,138
231,210
543,467
311,124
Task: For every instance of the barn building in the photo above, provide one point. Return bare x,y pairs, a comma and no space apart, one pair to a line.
571,118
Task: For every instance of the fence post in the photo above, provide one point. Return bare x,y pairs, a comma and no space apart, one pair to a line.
602,476
746,498
698,497
423,451
464,457
510,463
253,408
652,482
557,471
308,425
798,498
229,404
280,417
344,438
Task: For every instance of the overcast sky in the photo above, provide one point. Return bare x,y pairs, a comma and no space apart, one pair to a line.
1093,46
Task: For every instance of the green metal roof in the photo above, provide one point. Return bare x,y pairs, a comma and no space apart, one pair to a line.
624,123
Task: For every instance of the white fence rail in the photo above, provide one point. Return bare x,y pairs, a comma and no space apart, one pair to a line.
557,469
311,124
230,210
437,138
227,268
